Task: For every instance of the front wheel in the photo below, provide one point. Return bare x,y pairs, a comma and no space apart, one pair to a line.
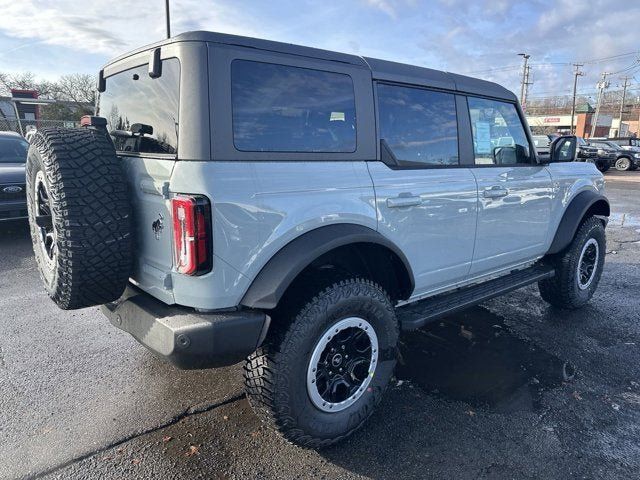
578,268
602,165
318,378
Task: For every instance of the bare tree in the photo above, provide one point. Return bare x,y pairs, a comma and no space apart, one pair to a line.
78,88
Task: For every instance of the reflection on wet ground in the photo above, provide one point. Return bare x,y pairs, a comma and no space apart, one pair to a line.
473,357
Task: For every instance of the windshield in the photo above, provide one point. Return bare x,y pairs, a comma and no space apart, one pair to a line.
615,146
581,141
13,150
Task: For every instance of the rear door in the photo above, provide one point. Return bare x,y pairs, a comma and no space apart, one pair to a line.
514,192
426,201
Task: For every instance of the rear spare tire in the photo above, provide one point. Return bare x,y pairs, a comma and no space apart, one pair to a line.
79,216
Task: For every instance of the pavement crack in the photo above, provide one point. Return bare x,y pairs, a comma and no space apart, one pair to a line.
188,412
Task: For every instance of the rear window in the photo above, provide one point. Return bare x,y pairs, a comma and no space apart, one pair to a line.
142,112
279,108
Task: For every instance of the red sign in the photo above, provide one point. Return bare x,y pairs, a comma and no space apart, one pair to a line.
551,119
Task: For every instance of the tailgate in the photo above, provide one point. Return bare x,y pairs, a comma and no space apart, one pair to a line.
153,260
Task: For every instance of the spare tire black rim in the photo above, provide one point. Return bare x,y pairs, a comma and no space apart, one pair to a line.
44,220
588,263
342,364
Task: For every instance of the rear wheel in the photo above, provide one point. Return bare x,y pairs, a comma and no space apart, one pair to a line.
578,268
318,379
623,164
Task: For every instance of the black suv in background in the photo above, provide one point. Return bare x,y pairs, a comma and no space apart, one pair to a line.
625,159
603,159
13,155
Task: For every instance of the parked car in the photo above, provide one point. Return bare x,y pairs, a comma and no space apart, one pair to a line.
625,159
628,143
305,207
602,159
543,143
13,155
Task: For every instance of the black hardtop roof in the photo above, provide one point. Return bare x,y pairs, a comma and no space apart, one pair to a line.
380,69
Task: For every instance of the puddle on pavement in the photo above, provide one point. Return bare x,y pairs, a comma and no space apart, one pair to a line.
474,358
624,220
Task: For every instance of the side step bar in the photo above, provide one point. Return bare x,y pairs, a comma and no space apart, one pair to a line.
418,314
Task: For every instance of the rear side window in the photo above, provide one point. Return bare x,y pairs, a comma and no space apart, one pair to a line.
419,126
142,112
278,108
498,134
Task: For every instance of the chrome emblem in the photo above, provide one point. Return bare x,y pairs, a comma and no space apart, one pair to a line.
12,189
157,226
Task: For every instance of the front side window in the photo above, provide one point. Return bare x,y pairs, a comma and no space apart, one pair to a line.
419,126
498,134
142,112
279,108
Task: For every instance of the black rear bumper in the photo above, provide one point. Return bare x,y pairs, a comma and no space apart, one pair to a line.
184,337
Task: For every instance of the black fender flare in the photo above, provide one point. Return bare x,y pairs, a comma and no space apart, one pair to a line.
583,202
276,276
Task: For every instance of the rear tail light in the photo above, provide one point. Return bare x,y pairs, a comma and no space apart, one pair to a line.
191,234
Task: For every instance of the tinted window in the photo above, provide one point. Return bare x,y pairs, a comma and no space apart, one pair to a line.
132,98
13,150
277,108
498,134
419,125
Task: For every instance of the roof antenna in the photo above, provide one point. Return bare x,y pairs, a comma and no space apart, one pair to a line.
166,10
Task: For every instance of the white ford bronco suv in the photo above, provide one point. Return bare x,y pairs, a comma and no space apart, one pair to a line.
236,198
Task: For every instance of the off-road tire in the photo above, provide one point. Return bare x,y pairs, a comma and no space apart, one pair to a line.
562,290
623,164
276,374
90,211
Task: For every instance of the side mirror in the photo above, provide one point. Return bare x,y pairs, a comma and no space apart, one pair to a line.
564,149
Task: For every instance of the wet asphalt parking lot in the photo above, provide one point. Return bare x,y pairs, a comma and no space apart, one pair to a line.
509,389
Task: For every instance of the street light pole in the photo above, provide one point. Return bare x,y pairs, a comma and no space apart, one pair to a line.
576,74
166,10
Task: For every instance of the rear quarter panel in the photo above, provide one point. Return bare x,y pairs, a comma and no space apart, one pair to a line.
259,207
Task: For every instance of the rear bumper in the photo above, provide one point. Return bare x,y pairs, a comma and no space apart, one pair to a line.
184,337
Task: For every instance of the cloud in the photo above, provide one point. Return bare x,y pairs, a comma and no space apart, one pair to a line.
88,26
456,35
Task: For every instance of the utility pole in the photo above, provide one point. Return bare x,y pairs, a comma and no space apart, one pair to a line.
524,83
602,85
166,11
624,97
576,74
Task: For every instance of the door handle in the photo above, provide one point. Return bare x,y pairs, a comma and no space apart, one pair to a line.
403,201
495,192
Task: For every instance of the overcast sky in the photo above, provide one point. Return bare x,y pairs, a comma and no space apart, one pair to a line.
53,38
